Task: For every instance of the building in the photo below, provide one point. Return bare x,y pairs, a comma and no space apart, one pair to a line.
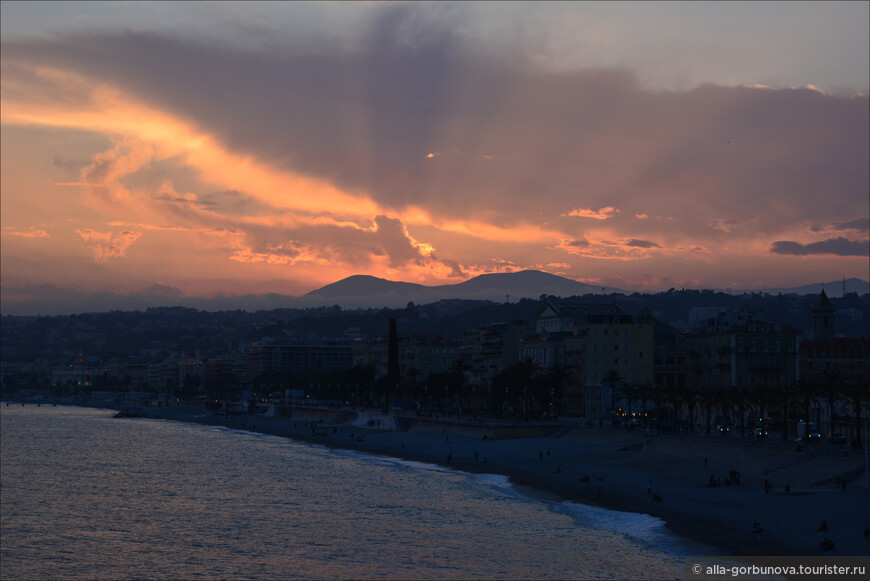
837,370
491,349
671,361
419,355
745,359
594,342
287,357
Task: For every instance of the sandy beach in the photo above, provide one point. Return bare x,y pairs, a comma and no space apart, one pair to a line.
664,476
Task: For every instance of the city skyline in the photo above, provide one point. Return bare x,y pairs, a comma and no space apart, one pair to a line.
250,148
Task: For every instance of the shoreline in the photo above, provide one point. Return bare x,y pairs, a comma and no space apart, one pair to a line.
624,471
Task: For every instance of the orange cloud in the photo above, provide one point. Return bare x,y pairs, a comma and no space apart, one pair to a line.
149,133
143,135
32,233
601,214
603,249
106,245
82,184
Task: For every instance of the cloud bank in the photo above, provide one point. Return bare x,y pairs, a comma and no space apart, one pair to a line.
414,153
836,246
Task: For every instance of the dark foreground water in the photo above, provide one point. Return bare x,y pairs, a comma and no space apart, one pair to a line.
85,495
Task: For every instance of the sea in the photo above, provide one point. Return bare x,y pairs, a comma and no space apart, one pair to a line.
84,495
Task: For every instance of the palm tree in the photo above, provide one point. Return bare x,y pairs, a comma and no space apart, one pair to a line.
741,399
645,390
631,392
612,378
686,395
831,385
761,397
659,395
806,392
524,371
724,397
785,395
190,386
558,377
222,386
857,396
707,396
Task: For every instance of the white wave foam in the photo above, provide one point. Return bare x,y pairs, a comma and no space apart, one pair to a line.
639,526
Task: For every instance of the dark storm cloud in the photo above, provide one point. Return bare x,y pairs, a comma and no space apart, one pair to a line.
860,225
839,246
642,244
509,139
857,225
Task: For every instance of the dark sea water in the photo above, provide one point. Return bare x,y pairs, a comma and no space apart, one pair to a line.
88,496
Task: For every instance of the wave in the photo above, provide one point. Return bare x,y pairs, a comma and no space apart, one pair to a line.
642,528
647,529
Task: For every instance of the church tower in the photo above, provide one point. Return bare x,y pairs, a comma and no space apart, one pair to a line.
823,319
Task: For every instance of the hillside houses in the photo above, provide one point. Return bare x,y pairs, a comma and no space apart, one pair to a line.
595,360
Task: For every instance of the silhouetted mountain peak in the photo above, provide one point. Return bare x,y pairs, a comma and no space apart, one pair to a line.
362,285
364,290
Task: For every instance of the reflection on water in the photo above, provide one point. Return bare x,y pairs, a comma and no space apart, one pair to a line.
85,495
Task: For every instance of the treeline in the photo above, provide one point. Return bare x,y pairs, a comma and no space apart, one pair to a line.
177,329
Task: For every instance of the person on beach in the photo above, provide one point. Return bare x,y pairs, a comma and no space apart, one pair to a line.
758,530
649,488
826,545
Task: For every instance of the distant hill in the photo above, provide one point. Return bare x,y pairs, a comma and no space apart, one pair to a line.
370,291
832,289
360,287
350,293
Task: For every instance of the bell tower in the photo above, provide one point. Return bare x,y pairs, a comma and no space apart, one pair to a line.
823,319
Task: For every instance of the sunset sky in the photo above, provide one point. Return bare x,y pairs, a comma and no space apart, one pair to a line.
249,148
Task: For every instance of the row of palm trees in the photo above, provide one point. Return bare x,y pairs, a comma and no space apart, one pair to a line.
790,401
526,387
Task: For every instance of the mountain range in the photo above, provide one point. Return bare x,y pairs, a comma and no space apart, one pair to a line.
361,290
357,291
